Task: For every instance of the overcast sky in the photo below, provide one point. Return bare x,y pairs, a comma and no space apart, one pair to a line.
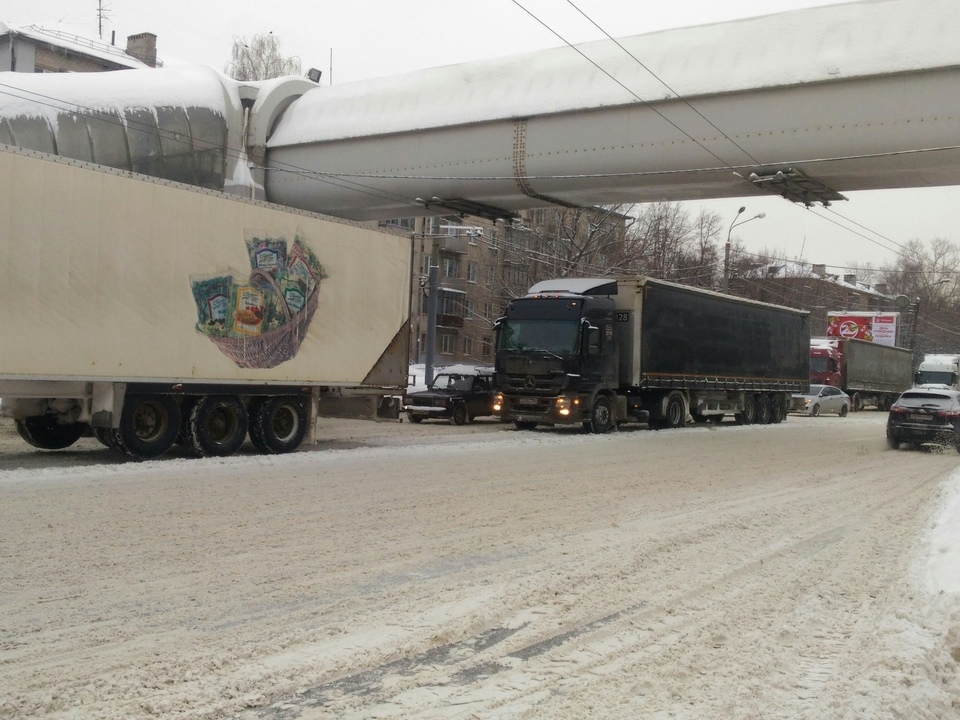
359,39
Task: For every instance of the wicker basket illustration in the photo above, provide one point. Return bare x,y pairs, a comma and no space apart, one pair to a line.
273,347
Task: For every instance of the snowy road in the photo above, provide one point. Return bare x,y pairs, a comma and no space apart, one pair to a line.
429,571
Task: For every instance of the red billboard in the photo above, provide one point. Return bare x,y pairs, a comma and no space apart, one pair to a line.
880,328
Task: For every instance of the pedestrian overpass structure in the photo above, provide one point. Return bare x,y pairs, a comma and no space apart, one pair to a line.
806,104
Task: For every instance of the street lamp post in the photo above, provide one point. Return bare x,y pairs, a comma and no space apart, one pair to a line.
726,250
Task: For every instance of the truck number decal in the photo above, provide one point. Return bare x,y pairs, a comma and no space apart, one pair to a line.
623,317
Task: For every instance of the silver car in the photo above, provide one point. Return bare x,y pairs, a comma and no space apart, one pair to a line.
822,399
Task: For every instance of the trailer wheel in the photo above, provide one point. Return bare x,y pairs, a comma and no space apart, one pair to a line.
148,425
218,426
601,417
186,408
45,433
777,412
675,415
763,410
105,436
857,402
277,424
460,415
749,414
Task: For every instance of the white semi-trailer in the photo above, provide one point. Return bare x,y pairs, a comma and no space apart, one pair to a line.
151,312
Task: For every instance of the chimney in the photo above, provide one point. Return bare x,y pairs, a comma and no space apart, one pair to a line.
143,47
820,270
850,279
881,288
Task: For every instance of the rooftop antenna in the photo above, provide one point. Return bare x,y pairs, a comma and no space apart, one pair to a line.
101,16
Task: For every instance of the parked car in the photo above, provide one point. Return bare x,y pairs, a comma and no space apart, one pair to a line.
822,399
925,415
459,393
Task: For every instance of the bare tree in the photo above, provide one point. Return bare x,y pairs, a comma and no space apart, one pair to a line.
927,276
260,59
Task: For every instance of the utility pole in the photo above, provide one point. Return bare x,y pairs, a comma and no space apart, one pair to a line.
433,290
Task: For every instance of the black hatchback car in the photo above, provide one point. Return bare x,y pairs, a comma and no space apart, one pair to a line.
458,393
925,415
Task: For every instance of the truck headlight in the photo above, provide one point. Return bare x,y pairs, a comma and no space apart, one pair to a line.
498,402
563,405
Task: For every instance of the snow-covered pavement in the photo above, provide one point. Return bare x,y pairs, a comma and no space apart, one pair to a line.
430,571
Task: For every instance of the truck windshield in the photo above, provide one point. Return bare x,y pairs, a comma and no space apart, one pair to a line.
819,365
933,376
554,336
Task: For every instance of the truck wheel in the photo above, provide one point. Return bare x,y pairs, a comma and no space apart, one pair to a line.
148,425
524,424
857,402
675,415
843,410
45,433
749,414
218,426
777,412
459,415
277,424
601,418
763,410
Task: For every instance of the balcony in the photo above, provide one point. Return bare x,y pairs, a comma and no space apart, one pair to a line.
449,321
453,244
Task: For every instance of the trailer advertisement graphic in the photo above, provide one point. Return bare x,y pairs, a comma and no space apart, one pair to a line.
260,321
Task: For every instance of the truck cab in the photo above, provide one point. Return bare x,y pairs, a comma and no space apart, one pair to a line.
555,352
939,370
826,362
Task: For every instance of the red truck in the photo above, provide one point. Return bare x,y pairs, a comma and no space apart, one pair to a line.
870,373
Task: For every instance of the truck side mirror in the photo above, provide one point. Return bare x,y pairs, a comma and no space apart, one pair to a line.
593,341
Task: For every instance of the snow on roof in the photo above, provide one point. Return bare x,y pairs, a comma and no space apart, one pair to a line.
575,286
79,45
462,369
30,94
824,44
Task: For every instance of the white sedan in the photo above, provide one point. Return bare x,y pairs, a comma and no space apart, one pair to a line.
822,399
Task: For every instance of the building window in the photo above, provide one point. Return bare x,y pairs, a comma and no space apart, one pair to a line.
471,309
490,272
402,223
451,267
488,310
468,346
450,304
487,347
473,272
446,343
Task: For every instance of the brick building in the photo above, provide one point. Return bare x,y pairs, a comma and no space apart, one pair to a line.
33,49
